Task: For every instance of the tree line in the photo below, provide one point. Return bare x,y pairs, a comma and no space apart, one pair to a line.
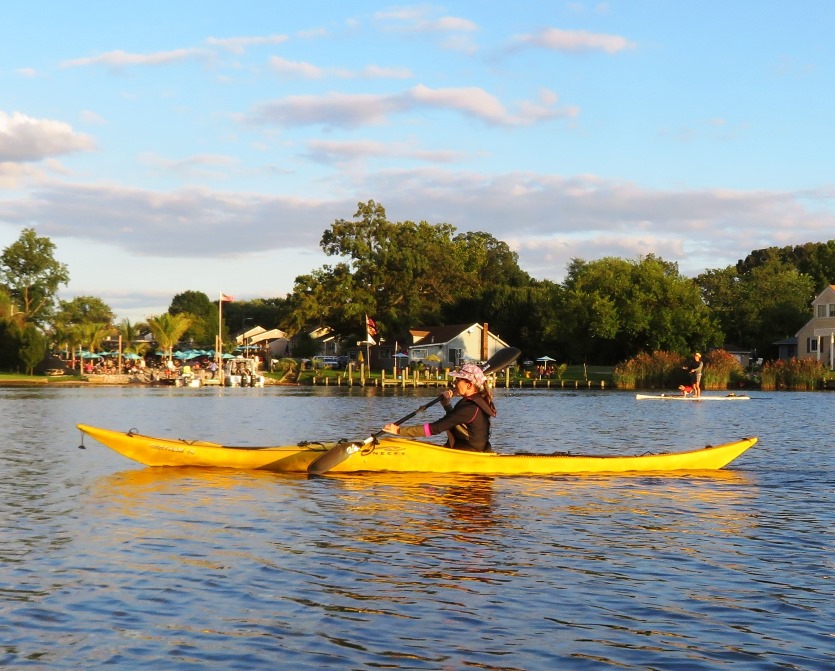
406,274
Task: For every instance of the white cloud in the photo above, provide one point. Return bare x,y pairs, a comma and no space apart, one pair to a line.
12,175
452,32
574,41
283,67
420,19
548,218
92,118
238,45
302,70
121,59
349,151
186,223
354,110
23,138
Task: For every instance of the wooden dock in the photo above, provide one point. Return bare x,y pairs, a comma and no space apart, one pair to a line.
414,379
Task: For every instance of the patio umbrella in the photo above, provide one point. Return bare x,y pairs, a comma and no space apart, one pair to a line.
545,358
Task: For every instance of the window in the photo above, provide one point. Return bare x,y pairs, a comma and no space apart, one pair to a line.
456,356
811,344
821,311
832,309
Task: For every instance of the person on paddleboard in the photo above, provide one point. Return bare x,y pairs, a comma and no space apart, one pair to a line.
695,370
467,423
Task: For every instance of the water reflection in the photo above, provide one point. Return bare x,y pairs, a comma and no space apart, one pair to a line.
104,563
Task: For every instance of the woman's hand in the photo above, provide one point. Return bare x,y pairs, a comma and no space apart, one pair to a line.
392,428
447,395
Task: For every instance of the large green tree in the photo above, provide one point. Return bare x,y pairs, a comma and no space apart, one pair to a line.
815,259
33,346
500,292
269,313
11,333
84,310
614,308
32,275
202,315
400,273
75,321
766,302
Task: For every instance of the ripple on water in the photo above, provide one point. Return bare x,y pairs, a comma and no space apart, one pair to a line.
104,563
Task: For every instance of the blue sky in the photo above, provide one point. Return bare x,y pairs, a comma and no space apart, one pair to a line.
206,146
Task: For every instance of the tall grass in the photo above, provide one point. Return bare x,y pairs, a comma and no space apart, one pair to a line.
649,371
794,374
721,368
665,370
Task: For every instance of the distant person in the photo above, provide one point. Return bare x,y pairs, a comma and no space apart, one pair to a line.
695,369
467,423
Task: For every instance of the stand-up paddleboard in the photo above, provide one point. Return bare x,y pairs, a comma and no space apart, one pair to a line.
690,397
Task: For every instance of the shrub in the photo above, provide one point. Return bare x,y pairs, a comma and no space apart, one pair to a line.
646,371
720,369
663,370
795,374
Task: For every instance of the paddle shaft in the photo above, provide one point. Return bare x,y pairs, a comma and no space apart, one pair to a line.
411,414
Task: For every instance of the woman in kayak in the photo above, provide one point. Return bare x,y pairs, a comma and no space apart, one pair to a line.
467,423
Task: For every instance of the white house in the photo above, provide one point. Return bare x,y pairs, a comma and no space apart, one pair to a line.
816,340
454,345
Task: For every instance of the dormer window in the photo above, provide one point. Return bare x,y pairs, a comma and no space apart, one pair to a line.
826,310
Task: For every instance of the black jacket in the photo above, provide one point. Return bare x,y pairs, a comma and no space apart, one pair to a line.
467,424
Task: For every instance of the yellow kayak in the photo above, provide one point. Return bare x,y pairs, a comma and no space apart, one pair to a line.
394,454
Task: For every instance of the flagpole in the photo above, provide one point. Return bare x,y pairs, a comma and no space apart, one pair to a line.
219,348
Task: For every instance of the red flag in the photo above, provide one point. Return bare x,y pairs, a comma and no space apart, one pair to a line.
370,330
226,299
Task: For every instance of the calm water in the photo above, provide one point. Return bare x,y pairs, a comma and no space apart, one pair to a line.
106,563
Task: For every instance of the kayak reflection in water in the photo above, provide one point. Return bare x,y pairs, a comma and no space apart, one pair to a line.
467,423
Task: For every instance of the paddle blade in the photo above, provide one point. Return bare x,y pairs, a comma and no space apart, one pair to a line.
501,359
333,457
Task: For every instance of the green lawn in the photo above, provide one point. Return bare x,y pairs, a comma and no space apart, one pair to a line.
20,378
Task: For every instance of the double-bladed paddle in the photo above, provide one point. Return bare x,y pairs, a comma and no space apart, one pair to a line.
339,453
